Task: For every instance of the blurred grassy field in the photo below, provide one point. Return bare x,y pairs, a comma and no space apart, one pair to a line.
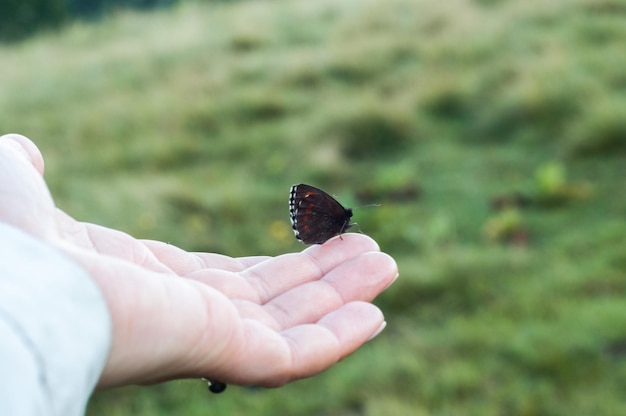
492,132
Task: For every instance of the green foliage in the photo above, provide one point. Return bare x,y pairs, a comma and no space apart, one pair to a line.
507,226
553,188
370,130
602,130
462,120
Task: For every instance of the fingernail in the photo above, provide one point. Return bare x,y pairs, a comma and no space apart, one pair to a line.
378,331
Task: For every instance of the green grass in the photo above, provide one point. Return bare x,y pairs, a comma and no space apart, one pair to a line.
189,126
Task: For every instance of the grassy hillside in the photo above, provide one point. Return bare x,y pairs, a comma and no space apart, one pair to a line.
493,133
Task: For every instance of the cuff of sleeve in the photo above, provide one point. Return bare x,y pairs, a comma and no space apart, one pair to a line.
54,325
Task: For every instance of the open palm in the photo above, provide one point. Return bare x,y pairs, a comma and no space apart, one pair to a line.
253,320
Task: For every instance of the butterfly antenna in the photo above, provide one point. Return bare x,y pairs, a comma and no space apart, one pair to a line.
368,206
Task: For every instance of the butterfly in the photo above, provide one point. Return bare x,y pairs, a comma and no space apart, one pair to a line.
315,215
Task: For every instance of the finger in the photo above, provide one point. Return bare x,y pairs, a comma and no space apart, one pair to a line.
361,278
27,203
275,276
26,148
222,262
353,325
304,350
186,263
337,249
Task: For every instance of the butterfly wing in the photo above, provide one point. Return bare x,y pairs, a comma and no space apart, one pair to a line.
315,215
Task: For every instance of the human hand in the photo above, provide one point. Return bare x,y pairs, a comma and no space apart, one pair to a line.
252,321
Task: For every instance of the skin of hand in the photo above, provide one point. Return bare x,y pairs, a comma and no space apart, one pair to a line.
261,321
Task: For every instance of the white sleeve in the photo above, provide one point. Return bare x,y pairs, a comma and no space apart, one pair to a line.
55,329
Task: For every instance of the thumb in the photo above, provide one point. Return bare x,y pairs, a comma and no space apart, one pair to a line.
26,200
26,148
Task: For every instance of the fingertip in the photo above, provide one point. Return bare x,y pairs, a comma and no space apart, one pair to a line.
385,266
390,266
27,148
363,240
348,242
377,332
354,323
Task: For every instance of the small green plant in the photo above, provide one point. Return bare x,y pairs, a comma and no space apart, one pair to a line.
552,187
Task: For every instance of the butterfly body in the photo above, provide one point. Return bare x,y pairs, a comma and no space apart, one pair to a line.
315,215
